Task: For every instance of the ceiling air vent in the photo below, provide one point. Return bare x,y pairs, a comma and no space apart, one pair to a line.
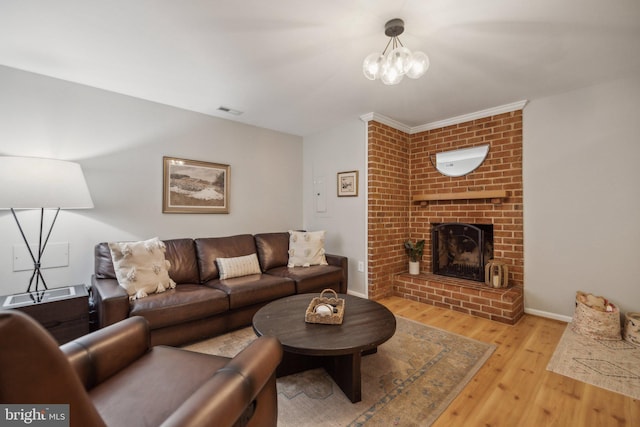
229,110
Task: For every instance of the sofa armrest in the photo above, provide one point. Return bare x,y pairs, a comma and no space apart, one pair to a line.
342,262
229,395
111,300
100,354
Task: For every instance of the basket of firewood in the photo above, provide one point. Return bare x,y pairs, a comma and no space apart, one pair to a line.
596,317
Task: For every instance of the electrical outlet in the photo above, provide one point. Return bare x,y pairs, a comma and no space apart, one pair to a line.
361,266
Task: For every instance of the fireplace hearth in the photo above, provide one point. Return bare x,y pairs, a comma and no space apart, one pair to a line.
461,250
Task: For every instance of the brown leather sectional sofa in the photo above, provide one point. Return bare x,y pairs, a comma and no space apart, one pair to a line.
202,305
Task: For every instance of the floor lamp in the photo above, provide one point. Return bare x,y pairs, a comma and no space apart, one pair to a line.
35,183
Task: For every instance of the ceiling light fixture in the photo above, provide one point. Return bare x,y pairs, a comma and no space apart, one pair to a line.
398,62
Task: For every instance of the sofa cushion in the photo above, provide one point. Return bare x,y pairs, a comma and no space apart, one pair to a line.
103,263
238,266
211,248
306,248
141,267
181,253
256,288
151,387
311,279
273,249
182,304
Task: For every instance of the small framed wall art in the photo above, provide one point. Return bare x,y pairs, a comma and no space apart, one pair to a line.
348,184
192,186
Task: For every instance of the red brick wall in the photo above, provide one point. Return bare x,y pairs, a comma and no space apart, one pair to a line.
388,204
400,167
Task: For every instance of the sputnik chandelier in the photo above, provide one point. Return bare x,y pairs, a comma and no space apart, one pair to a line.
400,61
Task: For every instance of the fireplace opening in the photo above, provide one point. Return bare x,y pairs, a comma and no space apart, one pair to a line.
461,250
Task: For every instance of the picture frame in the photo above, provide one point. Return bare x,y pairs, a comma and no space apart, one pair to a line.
348,184
193,186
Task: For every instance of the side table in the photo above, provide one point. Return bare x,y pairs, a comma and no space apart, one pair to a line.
64,312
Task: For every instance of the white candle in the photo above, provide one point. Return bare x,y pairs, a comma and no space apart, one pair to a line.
496,281
323,310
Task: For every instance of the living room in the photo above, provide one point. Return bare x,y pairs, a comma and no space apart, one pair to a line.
579,161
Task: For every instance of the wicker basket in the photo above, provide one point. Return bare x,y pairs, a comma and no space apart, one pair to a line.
328,319
600,325
631,331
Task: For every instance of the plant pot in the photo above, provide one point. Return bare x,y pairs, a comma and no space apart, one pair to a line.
414,267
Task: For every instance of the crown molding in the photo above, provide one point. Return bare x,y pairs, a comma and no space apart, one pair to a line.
507,108
386,121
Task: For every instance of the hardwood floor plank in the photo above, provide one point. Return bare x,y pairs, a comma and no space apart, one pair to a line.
514,388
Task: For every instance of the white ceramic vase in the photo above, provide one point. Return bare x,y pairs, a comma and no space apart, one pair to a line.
414,267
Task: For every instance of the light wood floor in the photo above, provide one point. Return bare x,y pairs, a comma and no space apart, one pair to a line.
514,389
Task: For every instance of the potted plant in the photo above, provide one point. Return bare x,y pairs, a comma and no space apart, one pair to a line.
415,255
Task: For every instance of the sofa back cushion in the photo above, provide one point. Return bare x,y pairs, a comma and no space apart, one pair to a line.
103,263
210,248
180,253
273,249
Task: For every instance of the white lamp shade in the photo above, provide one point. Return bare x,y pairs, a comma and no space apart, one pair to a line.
34,183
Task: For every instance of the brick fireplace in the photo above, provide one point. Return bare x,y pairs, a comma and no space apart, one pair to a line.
461,250
400,170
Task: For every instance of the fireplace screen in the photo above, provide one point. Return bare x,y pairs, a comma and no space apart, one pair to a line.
461,250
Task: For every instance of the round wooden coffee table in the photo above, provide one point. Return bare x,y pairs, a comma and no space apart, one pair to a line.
337,348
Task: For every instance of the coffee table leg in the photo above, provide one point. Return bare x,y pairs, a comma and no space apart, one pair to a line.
293,363
345,371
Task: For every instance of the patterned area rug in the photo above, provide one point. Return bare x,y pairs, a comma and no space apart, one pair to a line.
410,381
612,365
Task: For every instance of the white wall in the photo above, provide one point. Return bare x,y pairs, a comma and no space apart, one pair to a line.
120,142
582,197
340,149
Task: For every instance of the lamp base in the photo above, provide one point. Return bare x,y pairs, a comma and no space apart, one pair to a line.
37,274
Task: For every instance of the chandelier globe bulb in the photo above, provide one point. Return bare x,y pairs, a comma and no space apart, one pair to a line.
400,59
372,65
419,65
390,75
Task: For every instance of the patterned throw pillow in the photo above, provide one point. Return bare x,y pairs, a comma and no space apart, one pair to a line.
306,248
141,268
238,266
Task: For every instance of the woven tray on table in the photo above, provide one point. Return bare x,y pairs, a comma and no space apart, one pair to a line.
328,319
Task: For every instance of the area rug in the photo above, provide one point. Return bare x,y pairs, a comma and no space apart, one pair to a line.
410,381
612,365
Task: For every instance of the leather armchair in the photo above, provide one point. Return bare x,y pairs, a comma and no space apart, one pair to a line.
112,377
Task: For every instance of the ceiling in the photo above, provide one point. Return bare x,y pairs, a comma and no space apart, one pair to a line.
296,66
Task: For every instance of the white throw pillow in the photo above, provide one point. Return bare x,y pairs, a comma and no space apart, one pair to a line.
306,248
238,266
141,267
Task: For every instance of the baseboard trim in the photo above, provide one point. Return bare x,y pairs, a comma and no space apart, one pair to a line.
357,294
548,315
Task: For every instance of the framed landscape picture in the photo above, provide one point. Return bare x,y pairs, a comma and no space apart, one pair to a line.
348,184
192,186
